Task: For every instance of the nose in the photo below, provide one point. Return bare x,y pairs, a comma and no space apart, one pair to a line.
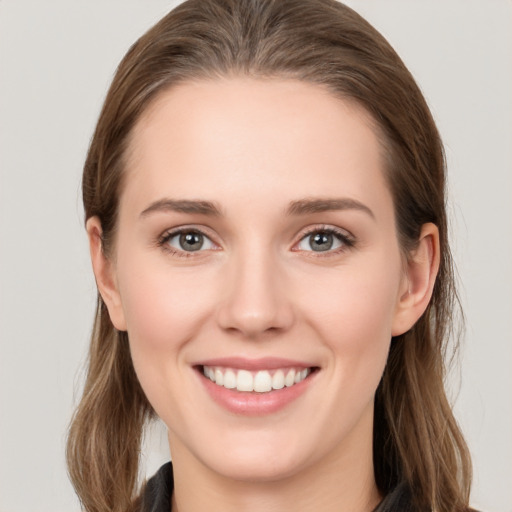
256,300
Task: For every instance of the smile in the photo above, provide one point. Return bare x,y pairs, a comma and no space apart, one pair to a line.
262,381
256,387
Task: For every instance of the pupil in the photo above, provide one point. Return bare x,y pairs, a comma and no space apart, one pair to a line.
322,242
191,241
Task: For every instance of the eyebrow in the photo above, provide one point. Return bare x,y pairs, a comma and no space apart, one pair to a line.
308,206
295,208
183,206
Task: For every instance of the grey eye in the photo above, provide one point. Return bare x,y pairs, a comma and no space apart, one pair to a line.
190,241
320,241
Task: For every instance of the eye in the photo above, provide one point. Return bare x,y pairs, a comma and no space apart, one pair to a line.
189,240
324,240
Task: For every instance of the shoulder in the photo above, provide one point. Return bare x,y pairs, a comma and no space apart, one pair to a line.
156,494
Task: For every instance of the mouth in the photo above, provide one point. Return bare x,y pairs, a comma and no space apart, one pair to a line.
255,387
261,381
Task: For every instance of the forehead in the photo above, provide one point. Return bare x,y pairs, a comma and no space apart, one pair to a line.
244,136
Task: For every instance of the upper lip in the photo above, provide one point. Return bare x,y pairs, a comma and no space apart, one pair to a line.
264,363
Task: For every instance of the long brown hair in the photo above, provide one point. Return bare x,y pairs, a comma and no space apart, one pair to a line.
416,437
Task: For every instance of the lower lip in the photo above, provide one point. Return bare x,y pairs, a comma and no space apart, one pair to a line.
252,403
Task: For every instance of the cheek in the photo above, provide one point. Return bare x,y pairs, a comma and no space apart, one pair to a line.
164,309
161,306
354,303
353,314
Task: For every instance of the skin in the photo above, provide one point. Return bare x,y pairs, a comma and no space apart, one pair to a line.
258,289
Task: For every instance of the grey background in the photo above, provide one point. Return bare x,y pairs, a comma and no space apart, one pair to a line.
56,61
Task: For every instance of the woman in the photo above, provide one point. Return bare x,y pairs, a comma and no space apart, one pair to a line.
264,200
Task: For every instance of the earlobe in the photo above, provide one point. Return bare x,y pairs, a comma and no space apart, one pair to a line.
104,273
418,285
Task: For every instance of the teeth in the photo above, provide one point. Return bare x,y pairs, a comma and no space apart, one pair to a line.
300,376
260,382
244,381
278,380
229,379
219,377
289,379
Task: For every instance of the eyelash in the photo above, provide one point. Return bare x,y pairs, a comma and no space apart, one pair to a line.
163,241
347,241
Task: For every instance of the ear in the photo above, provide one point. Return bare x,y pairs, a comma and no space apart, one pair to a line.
104,272
418,283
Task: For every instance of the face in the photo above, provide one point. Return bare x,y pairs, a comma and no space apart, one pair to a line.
257,245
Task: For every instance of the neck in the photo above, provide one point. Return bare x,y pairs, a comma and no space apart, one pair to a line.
341,481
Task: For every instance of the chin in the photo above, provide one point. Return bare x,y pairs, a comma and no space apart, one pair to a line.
257,468
257,456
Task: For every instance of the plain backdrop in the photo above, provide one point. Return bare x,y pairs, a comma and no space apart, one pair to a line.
56,60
